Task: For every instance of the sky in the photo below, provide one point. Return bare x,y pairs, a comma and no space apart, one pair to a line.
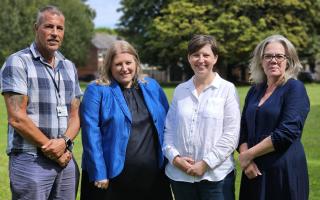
106,12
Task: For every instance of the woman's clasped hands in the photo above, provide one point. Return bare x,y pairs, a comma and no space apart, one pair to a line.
247,164
189,166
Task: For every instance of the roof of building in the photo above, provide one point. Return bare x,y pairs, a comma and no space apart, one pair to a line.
103,40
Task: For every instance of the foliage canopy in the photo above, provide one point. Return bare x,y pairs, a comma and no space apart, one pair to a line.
17,18
162,35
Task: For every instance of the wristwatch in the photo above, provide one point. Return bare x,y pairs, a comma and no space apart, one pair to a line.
69,143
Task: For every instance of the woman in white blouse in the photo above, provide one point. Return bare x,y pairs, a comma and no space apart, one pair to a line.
202,129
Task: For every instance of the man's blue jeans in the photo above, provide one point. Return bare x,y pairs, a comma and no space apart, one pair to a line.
205,190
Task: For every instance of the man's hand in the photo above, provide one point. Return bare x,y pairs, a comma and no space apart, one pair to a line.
54,148
64,159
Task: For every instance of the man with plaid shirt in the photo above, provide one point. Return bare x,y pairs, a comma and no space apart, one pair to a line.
42,96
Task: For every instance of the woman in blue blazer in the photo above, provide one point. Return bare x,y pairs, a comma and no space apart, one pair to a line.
122,120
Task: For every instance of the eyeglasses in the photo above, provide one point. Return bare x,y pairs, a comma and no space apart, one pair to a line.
278,57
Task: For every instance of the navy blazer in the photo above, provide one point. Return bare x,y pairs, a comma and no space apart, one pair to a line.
106,126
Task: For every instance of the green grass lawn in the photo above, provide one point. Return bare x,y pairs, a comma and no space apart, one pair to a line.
310,139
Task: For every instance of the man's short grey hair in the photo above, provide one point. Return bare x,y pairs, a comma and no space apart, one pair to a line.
48,8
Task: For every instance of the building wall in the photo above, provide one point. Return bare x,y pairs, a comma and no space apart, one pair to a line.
89,71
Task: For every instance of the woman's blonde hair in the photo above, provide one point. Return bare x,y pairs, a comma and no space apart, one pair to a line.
293,67
118,47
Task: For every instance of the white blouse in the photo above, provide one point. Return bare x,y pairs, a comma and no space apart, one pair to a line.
203,127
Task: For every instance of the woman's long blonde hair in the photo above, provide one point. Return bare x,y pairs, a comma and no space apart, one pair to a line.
119,46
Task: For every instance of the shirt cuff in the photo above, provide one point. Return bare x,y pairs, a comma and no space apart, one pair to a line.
211,160
171,153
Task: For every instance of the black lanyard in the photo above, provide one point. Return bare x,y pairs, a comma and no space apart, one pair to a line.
57,86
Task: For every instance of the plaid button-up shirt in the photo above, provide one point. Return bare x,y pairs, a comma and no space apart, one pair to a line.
26,73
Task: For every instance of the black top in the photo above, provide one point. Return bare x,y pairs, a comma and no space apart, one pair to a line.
141,164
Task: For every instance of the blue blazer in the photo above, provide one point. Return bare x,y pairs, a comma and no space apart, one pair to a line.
106,126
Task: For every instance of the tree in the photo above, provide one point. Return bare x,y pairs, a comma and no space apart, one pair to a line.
237,25
18,16
79,29
16,23
171,31
137,20
106,30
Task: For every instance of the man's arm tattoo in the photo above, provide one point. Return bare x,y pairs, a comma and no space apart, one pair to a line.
15,102
75,103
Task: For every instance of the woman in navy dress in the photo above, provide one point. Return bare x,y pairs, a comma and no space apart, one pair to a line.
271,154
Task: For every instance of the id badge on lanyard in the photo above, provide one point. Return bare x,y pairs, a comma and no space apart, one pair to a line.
62,111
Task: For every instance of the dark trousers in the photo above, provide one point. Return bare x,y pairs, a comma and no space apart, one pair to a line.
205,190
159,191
